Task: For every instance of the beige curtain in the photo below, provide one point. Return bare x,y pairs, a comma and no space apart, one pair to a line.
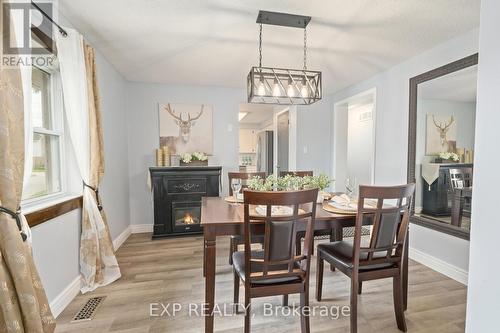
23,303
96,248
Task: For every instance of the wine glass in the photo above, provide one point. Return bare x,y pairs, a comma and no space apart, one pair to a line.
236,187
351,186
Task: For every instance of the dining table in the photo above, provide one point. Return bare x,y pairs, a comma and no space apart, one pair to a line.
222,218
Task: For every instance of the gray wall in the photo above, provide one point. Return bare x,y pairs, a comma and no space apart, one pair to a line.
360,145
143,137
314,136
483,299
391,121
115,186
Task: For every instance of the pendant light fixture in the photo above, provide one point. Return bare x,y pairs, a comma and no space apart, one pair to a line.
271,85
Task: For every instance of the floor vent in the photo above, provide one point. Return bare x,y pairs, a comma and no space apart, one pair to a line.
88,310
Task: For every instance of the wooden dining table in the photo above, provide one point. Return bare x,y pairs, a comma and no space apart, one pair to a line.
221,218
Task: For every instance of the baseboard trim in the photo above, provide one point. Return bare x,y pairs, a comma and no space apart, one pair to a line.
65,297
141,228
440,266
122,238
73,289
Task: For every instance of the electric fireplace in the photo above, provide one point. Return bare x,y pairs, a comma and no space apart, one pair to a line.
177,193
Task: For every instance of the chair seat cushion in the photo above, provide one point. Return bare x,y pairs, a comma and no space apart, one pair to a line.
239,267
340,255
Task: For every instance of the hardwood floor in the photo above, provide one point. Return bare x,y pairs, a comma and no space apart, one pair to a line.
170,271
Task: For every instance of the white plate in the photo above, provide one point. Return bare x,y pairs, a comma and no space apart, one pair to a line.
350,207
275,210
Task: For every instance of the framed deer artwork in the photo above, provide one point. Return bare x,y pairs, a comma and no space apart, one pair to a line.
186,128
441,134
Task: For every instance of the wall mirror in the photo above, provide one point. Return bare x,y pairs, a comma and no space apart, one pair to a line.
441,146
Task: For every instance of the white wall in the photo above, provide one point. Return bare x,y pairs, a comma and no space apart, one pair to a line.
465,118
391,123
483,299
142,118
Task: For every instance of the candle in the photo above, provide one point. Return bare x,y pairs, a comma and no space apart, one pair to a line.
159,157
166,156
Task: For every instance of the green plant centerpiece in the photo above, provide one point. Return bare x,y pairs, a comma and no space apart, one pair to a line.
292,183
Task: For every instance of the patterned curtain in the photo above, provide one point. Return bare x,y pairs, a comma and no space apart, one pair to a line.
96,246
23,303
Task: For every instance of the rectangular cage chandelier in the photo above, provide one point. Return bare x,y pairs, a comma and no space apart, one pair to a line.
270,85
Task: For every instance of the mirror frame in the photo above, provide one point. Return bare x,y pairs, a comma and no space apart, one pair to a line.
463,63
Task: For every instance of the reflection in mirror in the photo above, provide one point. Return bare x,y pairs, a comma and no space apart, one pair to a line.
446,113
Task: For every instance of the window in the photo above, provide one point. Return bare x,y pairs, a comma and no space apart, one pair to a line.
46,179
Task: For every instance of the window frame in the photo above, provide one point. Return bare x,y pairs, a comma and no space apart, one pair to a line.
58,130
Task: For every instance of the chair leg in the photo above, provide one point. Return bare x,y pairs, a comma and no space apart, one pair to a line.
305,325
354,305
233,247
248,310
236,287
285,300
397,293
360,287
319,278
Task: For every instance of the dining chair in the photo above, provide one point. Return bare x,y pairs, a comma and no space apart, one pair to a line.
380,256
461,178
237,240
317,233
296,173
276,269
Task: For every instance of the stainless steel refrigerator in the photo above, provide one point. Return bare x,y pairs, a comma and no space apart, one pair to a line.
265,152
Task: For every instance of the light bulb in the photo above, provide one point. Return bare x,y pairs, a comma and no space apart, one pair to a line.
290,91
276,88
304,91
261,90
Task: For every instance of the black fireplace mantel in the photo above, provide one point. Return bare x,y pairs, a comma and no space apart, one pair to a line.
177,192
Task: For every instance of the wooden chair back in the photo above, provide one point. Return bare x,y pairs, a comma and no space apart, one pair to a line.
389,207
460,178
244,176
279,260
296,173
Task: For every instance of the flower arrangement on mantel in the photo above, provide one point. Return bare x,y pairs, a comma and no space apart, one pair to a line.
194,159
292,183
449,157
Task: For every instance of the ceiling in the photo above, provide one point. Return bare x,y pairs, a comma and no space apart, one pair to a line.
256,113
214,42
460,86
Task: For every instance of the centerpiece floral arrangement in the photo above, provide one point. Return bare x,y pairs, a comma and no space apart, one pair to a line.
196,157
292,183
449,156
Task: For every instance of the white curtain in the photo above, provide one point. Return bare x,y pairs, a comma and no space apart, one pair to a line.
74,84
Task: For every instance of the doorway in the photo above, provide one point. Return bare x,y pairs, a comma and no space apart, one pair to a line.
283,125
354,140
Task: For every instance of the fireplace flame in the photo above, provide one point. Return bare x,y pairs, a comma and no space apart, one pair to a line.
188,219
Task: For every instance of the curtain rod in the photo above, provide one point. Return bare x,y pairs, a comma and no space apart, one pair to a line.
61,30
